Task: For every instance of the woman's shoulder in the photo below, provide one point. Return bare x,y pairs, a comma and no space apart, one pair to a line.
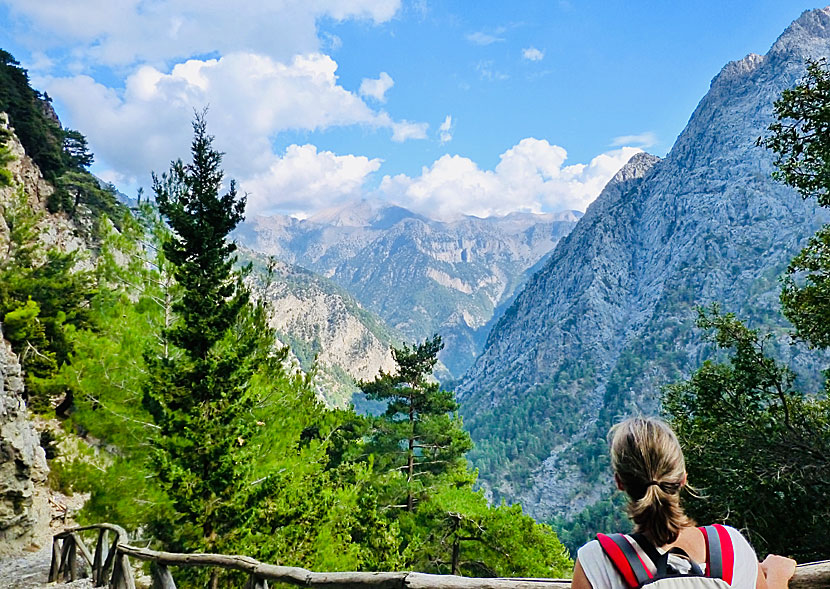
738,539
745,562
590,550
597,568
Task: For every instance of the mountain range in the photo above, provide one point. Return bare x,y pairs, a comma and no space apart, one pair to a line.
421,276
610,317
329,334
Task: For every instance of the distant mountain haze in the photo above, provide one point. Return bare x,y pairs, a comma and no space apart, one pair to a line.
609,319
419,275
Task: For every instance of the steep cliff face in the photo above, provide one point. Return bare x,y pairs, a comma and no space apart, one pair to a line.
421,276
610,317
22,460
54,230
325,328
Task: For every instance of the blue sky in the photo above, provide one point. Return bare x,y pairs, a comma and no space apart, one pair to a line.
446,107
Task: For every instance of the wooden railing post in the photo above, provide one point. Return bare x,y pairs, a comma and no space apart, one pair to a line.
99,577
110,560
126,571
56,560
64,566
81,547
72,558
122,574
162,579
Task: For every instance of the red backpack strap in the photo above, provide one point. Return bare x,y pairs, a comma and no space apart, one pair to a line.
720,555
625,559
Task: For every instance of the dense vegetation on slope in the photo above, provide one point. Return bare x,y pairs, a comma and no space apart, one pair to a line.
43,298
196,430
61,154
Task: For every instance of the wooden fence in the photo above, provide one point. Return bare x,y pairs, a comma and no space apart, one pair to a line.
109,566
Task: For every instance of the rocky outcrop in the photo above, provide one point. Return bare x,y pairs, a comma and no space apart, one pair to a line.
22,460
55,230
325,328
610,318
421,276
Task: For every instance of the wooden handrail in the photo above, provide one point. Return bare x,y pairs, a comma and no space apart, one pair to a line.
811,574
67,544
341,580
116,558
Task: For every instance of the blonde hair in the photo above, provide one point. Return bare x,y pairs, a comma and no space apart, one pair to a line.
649,464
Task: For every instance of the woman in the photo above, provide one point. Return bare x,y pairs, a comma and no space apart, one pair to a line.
649,466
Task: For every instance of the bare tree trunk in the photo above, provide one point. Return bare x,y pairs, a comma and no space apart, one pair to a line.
411,454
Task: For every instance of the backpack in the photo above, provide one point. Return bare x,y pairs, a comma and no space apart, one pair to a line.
640,563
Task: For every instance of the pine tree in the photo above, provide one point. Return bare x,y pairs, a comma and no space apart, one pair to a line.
419,435
199,390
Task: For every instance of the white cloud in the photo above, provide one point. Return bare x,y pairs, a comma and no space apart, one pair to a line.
445,130
377,88
644,140
530,176
303,180
405,130
330,42
251,99
533,54
125,32
482,38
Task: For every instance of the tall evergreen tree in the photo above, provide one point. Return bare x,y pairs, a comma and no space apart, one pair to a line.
198,389
425,486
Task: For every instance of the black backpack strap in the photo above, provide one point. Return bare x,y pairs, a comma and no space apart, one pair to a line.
694,568
660,560
625,559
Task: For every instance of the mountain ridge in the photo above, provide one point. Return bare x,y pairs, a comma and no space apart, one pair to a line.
421,276
610,317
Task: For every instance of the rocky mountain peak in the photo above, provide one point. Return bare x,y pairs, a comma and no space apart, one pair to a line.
351,214
636,167
807,36
610,318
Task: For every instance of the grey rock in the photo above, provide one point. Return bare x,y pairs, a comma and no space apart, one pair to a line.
419,275
56,230
610,318
22,460
325,328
